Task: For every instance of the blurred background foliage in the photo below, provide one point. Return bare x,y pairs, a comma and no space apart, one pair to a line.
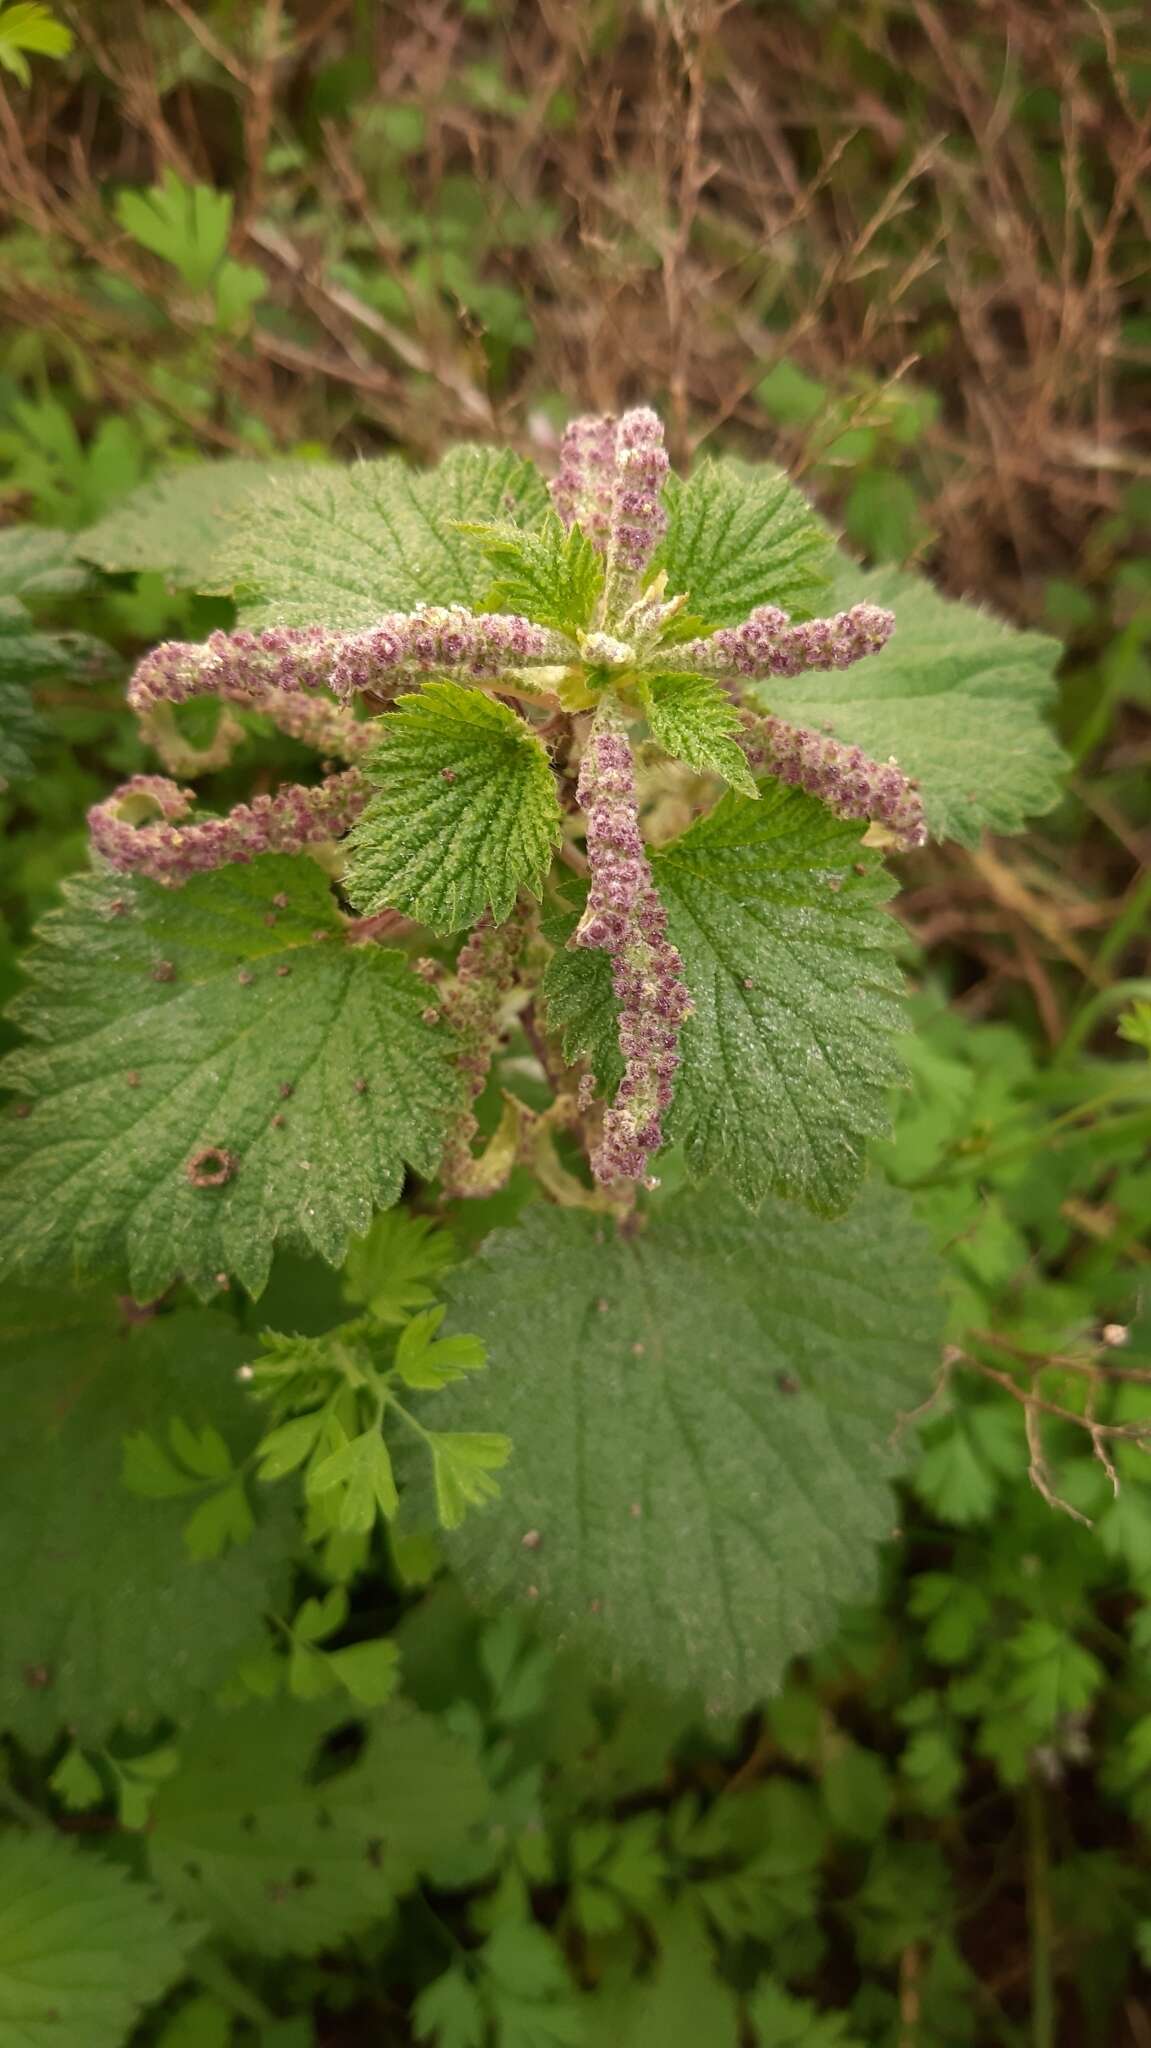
901,246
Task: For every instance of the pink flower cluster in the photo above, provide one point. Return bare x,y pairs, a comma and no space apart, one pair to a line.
769,644
841,776
610,478
169,851
625,918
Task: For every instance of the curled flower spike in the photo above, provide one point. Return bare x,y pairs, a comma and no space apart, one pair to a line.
168,851
769,644
625,918
609,482
841,776
485,974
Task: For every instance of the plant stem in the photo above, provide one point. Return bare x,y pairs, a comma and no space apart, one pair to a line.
1040,1919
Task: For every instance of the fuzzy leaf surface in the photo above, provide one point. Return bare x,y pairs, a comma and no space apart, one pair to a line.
98,1581
741,535
551,575
693,720
702,1418
336,547
34,562
230,1009
957,696
83,1947
179,521
787,951
579,1003
466,814
284,1858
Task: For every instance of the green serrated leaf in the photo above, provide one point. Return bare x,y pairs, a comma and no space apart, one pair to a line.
203,1451
339,547
397,1267
361,1471
220,1521
693,720
739,536
179,521
781,2021
549,574
579,1003
368,1671
422,1361
685,2004
83,1948
147,1469
466,816
225,1022
703,1419
75,1782
249,1837
35,561
185,225
95,1573
956,695
462,1463
789,1054
449,2012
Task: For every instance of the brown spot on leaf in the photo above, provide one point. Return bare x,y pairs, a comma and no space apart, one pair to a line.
37,1677
164,971
282,971
132,1078
787,1383
280,900
285,1090
212,1167
245,976
360,1085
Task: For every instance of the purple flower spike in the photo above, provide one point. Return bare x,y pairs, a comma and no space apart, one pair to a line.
169,851
769,644
625,918
610,478
401,648
474,647
240,666
841,776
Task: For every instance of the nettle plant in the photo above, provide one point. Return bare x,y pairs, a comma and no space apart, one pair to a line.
585,922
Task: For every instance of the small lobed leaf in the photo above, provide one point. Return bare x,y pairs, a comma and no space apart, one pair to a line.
739,536
704,1419
397,1267
179,521
283,1856
337,547
95,1573
789,1054
229,1023
466,815
957,696
83,1947
693,720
